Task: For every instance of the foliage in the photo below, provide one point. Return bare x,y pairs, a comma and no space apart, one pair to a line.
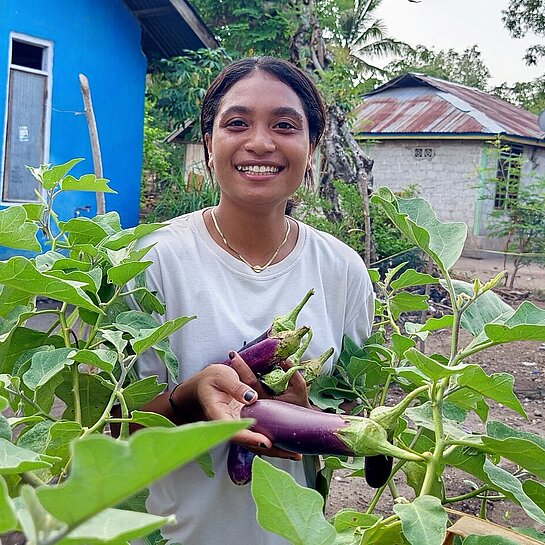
352,27
466,68
528,95
519,217
61,478
314,210
176,86
176,197
522,17
440,392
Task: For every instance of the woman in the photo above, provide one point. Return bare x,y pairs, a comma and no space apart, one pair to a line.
237,266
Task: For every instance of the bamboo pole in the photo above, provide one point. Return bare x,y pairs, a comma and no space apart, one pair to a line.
93,136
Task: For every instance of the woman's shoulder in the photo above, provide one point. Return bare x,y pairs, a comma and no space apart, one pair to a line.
173,230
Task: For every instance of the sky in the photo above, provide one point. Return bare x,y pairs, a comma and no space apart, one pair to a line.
459,24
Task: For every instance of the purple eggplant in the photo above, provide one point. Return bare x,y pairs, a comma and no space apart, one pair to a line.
309,431
239,464
264,355
286,322
377,470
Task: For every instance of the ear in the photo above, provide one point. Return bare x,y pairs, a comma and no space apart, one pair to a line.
208,144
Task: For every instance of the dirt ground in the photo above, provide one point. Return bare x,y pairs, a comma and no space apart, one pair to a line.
524,360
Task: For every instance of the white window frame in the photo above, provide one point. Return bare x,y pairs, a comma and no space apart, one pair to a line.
46,71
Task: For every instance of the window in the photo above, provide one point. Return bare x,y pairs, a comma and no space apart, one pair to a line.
508,176
424,153
26,117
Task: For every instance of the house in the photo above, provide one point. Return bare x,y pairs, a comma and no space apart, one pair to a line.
436,135
44,46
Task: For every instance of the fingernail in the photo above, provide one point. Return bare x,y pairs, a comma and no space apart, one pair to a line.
295,459
231,355
262,445
248,395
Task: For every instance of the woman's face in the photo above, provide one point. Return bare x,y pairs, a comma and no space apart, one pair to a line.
259,148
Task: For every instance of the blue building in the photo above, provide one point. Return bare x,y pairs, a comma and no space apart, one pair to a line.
44,46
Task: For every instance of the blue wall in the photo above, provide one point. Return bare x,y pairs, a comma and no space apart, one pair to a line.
101,39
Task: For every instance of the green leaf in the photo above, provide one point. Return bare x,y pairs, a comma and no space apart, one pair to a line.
400,344
14,459
51,176
526,324
103,359
422,416
8,521
45,365
87,182
288,509
148,337
507,482
498,386
16,231
115,526
56,261
346,519
415,218
488,540
432,324
106,471
140,392
121,274
531,532
21,274
150,420
410,278
83,231
34,211
424,521
535,491
523,448
11,298
432,368
407,302
124,238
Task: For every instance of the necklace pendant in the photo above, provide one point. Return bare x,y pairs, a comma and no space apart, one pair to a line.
257,268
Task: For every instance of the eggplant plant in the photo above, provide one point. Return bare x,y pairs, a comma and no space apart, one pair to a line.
430,425
63,479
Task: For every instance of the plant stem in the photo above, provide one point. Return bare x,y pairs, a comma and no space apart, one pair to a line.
32,403
482,511
467,496
31,479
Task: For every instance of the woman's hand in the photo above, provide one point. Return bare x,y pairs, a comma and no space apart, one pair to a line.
221,394
296,393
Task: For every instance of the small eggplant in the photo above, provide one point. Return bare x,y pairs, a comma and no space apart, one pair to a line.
309,431
239,464
264,355
377,470
285,322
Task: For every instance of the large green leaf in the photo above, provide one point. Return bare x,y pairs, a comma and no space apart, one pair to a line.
7,511
149,337
432,368
424,521
488,540
115,526
287,508
82,231
526,324
498,386
507,482
16,231
125,237
105,471
410,278
45,365
407,302
56,261
21,273
415,218
140,392
87,182
14,459
51,176
535,491
103,359
121,274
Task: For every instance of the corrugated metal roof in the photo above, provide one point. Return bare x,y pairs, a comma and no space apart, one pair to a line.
418,104
169,27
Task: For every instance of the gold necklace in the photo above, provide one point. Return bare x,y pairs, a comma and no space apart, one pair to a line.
255,268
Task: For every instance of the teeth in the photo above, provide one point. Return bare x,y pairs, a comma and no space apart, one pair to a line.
258,169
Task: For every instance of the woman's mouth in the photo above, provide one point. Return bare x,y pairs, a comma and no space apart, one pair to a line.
258,169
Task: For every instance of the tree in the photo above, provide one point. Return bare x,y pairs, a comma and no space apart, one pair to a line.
351,26
528,95
466,68
522,17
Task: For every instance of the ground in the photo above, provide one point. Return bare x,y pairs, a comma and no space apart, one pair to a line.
524,360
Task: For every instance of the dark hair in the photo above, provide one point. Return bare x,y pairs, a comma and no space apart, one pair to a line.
283,70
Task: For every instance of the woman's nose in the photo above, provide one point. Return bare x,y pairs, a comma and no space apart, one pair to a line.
260,141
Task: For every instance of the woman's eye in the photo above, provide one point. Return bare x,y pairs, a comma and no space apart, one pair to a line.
235,123
286,125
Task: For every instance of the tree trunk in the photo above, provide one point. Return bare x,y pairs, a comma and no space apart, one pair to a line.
344,159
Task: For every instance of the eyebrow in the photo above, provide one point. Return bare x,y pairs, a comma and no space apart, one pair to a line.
244,110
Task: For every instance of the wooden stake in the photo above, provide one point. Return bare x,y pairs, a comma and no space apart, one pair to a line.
93,136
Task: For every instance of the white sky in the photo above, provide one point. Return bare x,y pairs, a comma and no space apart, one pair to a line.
459,24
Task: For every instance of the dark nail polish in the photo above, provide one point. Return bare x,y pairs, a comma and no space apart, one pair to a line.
249,395
231,355
262,445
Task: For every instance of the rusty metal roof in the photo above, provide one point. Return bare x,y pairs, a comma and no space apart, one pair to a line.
169,27
415,104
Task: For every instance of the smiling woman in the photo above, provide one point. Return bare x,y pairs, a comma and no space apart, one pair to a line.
236,266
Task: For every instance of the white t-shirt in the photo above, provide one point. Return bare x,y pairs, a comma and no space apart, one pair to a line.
233,304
